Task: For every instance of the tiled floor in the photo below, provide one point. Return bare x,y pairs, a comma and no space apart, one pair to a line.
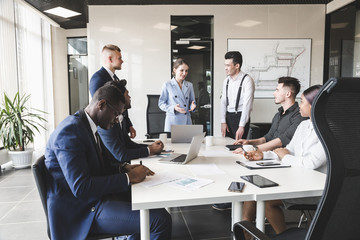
22,216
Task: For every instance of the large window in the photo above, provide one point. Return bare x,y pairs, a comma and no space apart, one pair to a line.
26,59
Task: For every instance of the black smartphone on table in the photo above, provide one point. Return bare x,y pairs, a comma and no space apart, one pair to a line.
259,181
236,187
232,147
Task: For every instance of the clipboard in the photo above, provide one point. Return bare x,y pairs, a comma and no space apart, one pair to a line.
263,164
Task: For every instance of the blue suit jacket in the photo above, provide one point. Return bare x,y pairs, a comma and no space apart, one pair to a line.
97,81
171,94
78,180
118,142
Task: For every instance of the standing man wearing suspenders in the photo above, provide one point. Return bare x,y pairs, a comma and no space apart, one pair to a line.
237,98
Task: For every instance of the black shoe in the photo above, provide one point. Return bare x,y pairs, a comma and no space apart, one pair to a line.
222,206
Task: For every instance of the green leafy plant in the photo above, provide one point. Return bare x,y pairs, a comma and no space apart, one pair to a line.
17,123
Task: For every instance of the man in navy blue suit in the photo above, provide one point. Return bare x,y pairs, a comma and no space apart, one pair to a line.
87,193
112,61
118,142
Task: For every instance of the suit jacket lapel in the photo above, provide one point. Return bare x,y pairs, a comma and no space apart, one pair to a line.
88,128
185,88
106,74
179,92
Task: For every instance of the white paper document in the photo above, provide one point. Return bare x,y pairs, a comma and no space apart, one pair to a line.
175,180
189,183
159,178
205,169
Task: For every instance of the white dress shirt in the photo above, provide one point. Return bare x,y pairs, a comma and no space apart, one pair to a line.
246,98
305,149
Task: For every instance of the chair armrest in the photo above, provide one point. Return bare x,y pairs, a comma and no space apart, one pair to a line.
250,228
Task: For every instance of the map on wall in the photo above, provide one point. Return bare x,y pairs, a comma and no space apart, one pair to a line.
268,59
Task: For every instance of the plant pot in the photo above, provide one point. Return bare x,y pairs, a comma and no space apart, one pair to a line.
21,159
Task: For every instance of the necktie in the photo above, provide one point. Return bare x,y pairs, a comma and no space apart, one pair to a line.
116,78
99,147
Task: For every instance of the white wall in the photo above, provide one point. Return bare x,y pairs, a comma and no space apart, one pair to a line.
146,46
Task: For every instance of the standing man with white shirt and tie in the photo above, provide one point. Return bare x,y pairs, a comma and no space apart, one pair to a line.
112,61
237,98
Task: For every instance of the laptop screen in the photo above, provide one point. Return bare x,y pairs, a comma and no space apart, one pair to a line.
185,133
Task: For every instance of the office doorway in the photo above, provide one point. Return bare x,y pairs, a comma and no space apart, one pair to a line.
192,39
78,74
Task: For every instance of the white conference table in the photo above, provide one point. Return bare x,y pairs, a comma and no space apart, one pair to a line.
293,182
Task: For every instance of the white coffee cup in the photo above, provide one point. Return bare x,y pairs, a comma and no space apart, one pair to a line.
163,137
209,140
249,148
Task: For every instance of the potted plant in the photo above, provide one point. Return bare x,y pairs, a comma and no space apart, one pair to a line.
17,128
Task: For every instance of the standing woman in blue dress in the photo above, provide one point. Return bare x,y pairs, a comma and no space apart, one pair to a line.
177,97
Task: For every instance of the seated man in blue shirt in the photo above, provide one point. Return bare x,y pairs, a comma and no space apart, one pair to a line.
283,126
87,193
117,140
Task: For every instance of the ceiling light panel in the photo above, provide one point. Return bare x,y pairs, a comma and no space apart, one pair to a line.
62,12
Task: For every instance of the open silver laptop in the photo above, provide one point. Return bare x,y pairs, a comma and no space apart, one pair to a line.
185,133
185,158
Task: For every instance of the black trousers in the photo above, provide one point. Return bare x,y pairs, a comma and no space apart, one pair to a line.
232,121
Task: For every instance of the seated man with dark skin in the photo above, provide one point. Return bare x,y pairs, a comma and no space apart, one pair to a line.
88,193
117,140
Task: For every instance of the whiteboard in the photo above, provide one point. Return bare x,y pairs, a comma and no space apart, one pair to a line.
265,60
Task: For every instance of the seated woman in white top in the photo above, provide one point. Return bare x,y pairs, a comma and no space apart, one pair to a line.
305,150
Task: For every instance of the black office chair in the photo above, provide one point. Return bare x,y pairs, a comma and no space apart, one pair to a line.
40,175
336,118
155,117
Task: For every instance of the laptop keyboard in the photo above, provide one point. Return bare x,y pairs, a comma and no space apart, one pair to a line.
180,158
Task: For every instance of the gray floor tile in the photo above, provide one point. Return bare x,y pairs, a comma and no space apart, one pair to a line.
206,224
13,194
33,196
5,208
25,212
179,228
17,181
22,172
30,231
196,208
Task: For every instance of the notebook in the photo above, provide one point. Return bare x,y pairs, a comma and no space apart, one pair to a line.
185,158
185,133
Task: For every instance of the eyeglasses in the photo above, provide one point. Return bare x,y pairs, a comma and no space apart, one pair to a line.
116,113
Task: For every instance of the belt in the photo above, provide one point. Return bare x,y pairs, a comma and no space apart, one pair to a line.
232,113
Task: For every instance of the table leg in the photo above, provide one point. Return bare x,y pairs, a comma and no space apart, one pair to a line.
236,214
260,215
145,224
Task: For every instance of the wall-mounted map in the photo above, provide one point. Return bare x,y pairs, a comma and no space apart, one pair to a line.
268,59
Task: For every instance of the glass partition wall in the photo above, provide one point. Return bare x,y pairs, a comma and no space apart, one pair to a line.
192,39
342,46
